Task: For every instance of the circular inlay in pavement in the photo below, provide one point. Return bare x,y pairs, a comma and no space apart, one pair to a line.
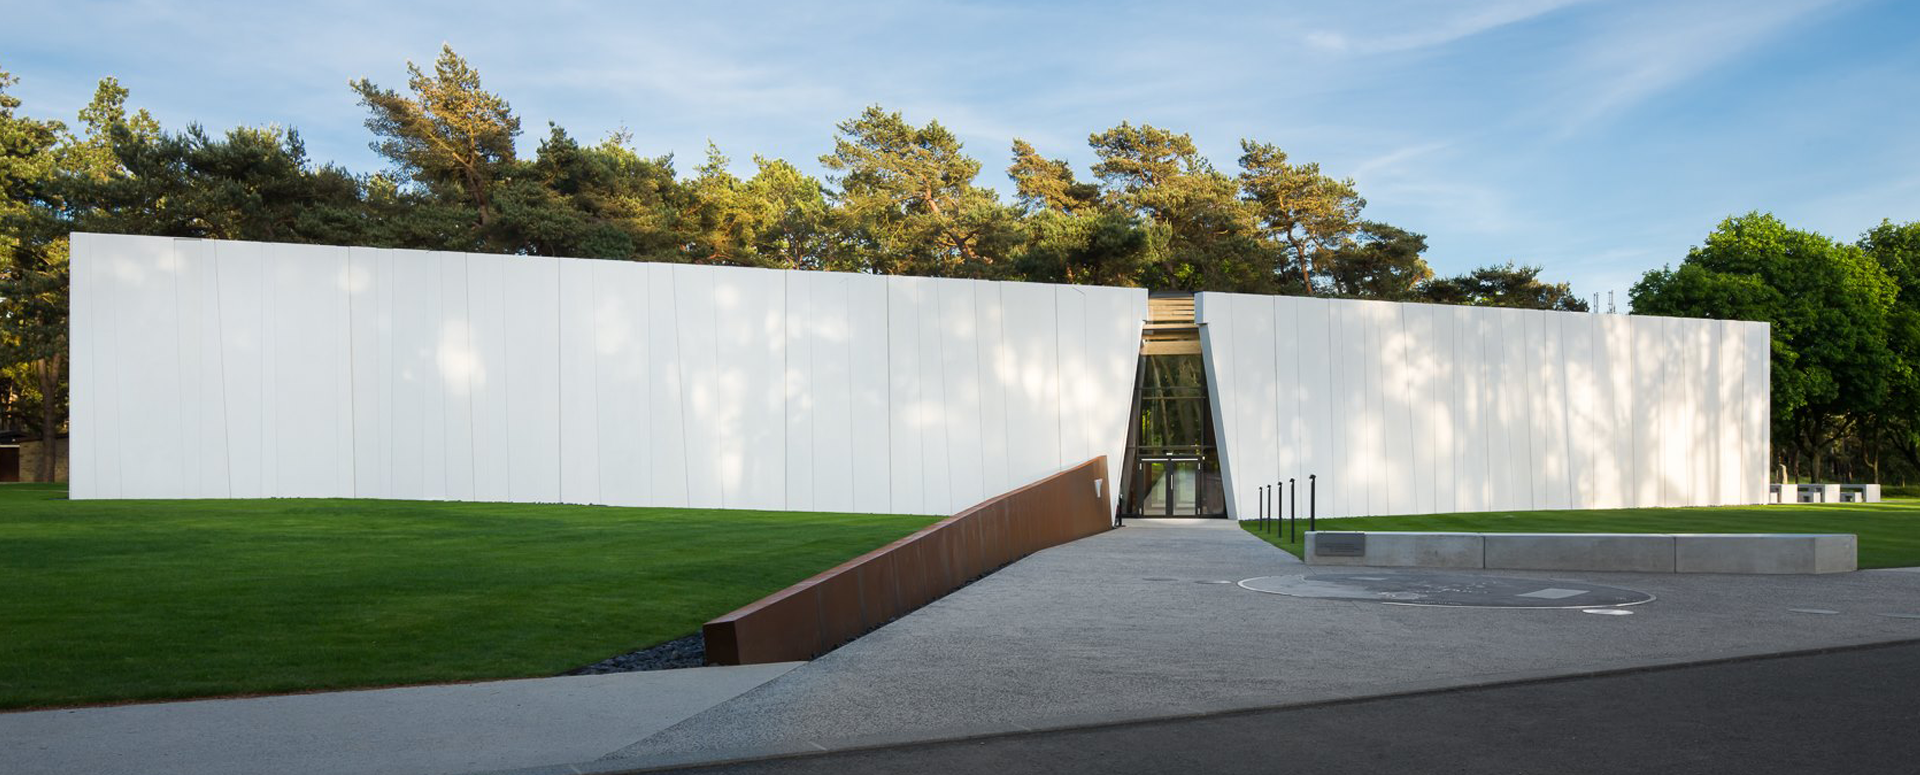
1448,589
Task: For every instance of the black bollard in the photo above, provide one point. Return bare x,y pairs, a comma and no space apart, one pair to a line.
1312,499
1266,502
1294,513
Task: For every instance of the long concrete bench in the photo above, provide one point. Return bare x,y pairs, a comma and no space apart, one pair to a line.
1643,552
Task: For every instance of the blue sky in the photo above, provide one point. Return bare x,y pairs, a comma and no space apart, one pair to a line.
1599,139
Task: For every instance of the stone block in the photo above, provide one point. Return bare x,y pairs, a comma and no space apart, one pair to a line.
1409,550
1860,493
1819,493
1647,553
1765,553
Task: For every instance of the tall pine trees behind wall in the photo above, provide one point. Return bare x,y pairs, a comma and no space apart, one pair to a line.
898,197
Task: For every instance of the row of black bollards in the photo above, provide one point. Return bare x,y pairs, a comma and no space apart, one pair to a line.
1270,508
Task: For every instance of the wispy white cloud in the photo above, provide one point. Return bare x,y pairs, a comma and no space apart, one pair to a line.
1426,30
1505,129
1646,50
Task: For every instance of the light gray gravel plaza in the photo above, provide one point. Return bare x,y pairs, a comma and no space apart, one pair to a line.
1127,625
1138,623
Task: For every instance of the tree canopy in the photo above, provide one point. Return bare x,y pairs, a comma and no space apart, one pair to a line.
1843,358
900,196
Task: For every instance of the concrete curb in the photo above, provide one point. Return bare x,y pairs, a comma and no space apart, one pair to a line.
1105,721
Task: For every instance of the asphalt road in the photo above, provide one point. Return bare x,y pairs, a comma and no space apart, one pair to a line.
1854,711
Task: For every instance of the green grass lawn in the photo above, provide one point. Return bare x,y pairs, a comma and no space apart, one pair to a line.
1889,531
105,601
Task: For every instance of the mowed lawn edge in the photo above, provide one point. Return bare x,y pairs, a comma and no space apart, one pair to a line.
1889,531
113,601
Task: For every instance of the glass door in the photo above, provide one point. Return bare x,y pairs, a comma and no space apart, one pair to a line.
1176,469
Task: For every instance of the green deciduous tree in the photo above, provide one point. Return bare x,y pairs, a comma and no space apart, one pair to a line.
1828,304
33,269
1896,248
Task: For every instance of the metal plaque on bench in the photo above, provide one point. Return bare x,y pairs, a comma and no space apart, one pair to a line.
1339,544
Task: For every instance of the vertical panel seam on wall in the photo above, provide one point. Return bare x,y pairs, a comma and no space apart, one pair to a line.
179,376
267,489
946,397
1332,433
1534,468
1279,436
1059,393
1084,426
220,329
80,350
1402,353
506,360
786,395
353,409
1743,489
886,394
846,350
593,382
786,392
559,375
473,439
981,379
113,330
1566,415
713,325
679,357
1629,483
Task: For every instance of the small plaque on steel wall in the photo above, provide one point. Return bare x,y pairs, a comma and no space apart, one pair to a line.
1340,544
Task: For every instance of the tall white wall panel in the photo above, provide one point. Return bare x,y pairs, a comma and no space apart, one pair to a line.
206,369
868,367
622,391
1411,408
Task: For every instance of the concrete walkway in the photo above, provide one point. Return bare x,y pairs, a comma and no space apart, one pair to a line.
1749,717
419,730
1137,624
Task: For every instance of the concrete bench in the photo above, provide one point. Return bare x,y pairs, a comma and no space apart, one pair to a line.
1860,493
1641,552
1817,493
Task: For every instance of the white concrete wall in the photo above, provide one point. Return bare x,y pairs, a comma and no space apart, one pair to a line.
1418,408
206,369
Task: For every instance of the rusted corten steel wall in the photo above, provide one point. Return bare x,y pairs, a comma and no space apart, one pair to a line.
813,616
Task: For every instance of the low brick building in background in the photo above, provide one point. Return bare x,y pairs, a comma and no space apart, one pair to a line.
20,461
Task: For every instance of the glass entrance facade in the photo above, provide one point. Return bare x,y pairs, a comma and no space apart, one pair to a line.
1173,468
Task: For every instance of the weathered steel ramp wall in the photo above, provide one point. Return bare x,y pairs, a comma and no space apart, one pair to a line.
813,616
